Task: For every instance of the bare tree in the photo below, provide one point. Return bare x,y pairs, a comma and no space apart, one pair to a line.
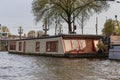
47,9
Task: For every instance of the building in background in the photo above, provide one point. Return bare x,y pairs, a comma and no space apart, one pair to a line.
4,34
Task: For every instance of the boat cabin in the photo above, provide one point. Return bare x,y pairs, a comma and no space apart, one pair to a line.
60,44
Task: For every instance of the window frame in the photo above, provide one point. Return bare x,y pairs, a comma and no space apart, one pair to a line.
20,46
52,46
12,46
37,47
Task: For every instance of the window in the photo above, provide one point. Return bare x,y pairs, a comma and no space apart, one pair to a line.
20,46
82,44
75,44
4,34
67,45
37,46
52,46
95,44
12,46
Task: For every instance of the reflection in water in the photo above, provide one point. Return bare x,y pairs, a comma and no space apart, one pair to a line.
24,67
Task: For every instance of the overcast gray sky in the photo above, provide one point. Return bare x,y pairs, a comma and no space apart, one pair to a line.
15,13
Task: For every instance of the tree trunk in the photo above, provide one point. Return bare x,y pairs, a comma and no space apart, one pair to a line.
83,19
69,28
82,30
69,25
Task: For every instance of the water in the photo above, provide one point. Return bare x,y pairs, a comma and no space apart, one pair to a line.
24,67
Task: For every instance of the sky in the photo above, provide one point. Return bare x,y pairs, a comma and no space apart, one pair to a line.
15,13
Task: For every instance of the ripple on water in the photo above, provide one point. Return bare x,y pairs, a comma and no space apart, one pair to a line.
22,67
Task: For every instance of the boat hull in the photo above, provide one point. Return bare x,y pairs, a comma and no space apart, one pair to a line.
86,55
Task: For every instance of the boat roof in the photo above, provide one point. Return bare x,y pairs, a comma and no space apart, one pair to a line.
65,36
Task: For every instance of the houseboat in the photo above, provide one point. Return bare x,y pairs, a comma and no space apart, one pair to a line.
114,51
58,46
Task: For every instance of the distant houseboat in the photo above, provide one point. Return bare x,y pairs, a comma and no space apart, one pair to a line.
58,46
114,51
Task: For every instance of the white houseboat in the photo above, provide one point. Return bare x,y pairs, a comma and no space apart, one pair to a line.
114,51
58,46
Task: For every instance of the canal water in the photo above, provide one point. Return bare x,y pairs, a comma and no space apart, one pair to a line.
26,67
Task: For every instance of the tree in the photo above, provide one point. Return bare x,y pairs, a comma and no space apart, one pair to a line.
117,26
31,34
5,29
40,33
81,20
108,27
111,27
67,10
